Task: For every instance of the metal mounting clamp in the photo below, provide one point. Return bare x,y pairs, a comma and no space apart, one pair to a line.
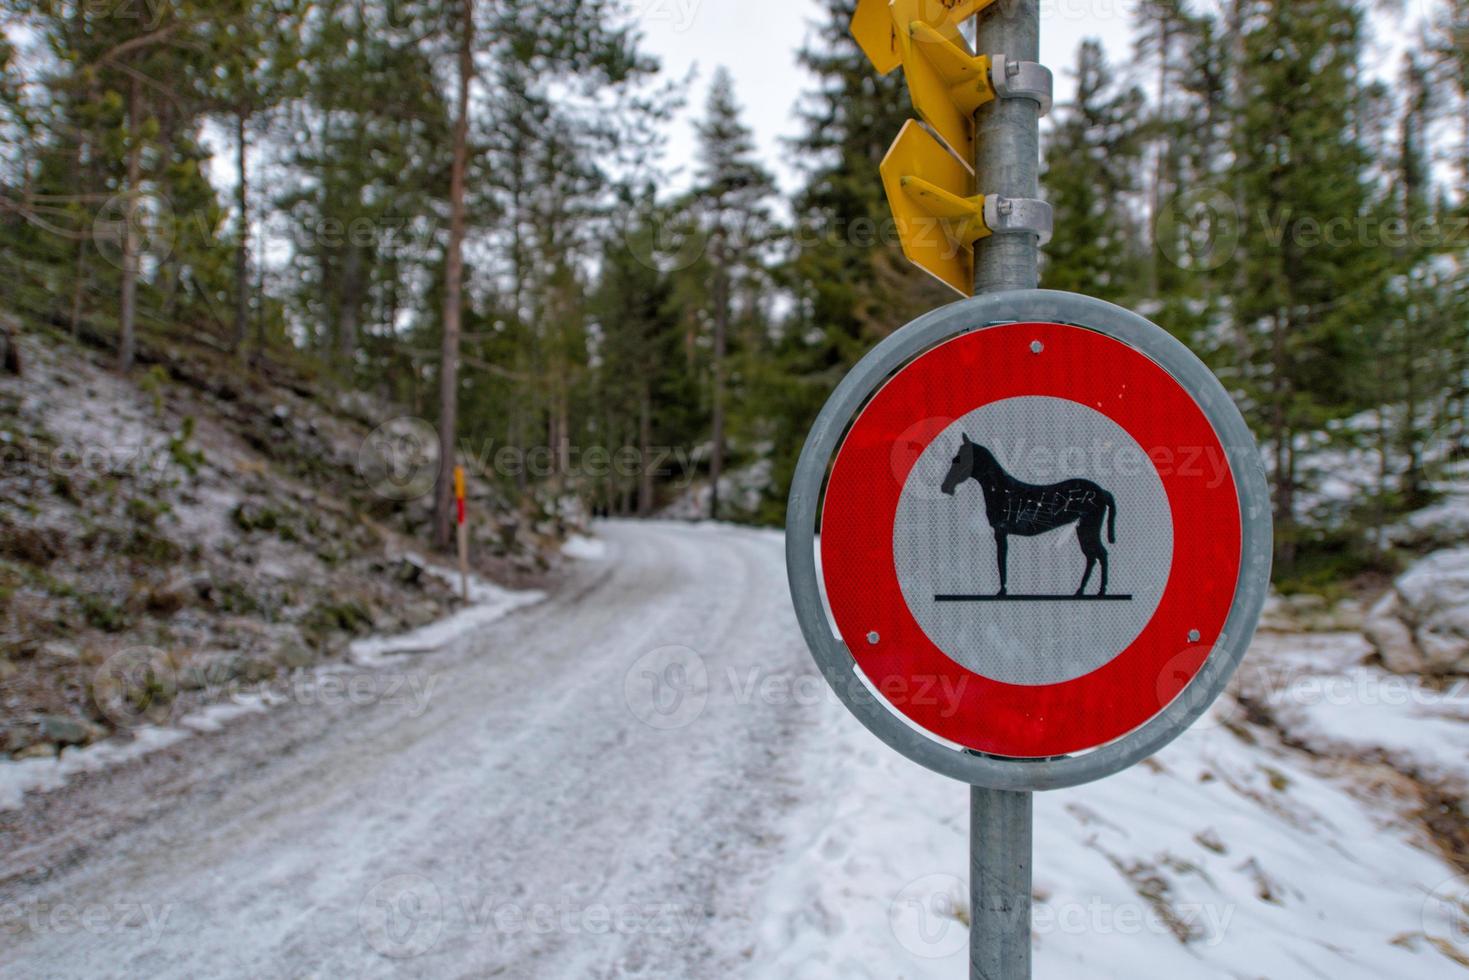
1021,80
1009,215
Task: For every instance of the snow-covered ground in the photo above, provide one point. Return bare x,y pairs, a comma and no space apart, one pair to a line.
1227,854
644,776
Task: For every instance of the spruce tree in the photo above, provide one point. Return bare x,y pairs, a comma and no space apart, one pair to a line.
731,201
1093,155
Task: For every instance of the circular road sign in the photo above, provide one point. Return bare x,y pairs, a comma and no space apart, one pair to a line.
1044,539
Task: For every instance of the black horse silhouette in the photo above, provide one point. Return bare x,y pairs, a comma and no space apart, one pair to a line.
1013,507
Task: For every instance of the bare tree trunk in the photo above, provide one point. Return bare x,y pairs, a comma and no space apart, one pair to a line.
127,315
453,289
242,247
1283,436
721,330
350,311
645,450
260,303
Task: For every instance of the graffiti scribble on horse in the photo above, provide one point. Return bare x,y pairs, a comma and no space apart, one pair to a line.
1015,507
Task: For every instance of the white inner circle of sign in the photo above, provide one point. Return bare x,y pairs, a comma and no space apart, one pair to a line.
1072,457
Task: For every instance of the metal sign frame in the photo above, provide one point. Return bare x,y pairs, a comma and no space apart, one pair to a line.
851,395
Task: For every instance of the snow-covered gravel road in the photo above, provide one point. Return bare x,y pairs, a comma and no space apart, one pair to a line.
512,815
643,776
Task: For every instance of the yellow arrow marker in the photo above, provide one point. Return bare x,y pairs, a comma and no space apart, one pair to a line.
947,82
875,26
876,35
932,198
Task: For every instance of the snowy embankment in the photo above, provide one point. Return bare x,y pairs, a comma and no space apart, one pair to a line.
488,602
1308,825
1230,853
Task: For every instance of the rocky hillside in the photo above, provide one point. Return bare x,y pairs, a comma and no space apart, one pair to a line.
169,538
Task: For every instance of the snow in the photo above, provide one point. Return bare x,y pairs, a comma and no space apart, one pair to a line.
1265,864
44,775
771,834
585,548
488,603
1445,521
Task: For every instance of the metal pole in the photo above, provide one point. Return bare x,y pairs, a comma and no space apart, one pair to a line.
1007,163
1007,147
999,884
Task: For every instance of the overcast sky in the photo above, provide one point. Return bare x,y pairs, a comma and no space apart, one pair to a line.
757,41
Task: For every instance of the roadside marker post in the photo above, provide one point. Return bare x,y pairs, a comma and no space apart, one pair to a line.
931,195
463,533
1037,501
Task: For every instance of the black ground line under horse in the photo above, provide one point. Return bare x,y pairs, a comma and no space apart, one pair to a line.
1015,507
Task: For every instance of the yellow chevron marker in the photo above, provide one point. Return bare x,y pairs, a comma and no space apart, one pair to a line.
874,25
932,198
946,82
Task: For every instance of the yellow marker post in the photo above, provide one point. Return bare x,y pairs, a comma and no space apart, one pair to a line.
875,27
932,198
945,80
463,530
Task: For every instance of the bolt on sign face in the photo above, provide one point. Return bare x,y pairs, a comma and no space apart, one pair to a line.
1035,535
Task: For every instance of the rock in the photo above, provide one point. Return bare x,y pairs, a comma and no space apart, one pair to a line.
294,656
420,613
1391,637
57,650
36,750
194,677
1422,624
168,598
1443,525
1309,613
407,572
16,739
68,731
257,669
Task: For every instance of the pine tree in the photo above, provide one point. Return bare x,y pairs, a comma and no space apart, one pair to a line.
1302,170
731,201
1092,157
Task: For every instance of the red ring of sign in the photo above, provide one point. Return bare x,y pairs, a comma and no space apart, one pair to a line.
861,504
